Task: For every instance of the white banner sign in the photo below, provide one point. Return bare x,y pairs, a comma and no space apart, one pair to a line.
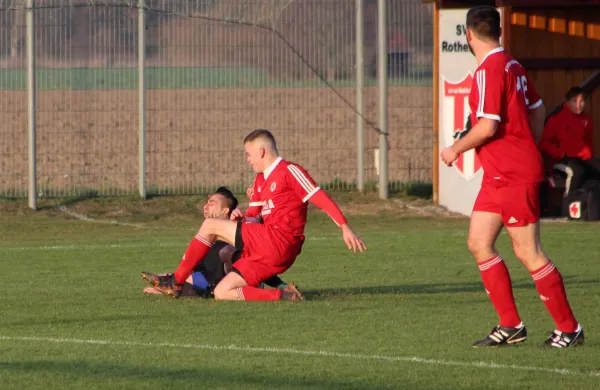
458,186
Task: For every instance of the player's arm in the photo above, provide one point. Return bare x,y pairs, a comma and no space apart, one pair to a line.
537,110
479,135
255,205
490,88
588,137
548,142
304,186
252,214
537,116
323,201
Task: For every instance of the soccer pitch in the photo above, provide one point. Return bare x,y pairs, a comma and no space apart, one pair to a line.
402,315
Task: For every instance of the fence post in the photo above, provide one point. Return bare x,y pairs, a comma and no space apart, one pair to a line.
141,100
382,76
30,38
360,82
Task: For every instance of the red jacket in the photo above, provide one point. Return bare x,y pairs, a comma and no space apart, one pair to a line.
567,133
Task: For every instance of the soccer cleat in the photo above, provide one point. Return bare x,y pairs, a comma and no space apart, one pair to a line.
152,291
291,293
292,288
502,335
560,339
166,284
151,278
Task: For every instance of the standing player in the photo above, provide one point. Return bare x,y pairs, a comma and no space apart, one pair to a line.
279,200
504,110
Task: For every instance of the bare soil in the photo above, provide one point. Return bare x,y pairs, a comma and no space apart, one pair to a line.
89,139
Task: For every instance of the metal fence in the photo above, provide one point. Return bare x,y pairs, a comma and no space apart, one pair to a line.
210,72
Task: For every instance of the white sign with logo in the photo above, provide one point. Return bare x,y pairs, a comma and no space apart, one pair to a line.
459,185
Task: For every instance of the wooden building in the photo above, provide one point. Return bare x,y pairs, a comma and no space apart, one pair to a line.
558,42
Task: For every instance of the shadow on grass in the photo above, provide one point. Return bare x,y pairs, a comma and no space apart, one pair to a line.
429,288
36,321
156,376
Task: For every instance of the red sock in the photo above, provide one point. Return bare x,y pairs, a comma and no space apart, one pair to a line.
194,254
498,286
259,294
550,286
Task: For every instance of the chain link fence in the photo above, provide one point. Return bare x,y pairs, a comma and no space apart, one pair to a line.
213,71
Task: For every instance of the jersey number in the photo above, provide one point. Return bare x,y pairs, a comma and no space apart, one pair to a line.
522,86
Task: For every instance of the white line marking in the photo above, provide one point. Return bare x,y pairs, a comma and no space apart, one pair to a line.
84,246
113,246
82,217
320,237
290,351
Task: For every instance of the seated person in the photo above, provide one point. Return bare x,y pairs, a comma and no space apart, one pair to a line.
568,140
219,260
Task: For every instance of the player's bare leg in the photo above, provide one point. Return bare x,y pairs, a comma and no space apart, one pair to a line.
549,283
527,246
233,287
483,233
229,289
218,229
212,229
484,229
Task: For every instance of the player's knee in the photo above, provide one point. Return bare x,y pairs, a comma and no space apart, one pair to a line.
477,247
220,292
527,252
208,227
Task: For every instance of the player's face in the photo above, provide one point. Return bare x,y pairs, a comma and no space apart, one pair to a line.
254,156
577,104
215,207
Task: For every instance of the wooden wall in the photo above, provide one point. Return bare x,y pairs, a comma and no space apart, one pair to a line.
558,33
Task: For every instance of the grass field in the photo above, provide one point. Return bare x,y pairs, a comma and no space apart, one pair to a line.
176,78
403,315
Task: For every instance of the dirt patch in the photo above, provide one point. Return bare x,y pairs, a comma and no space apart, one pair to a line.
89,139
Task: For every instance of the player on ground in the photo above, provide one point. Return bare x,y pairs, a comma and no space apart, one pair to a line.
219,260
279,200
506,112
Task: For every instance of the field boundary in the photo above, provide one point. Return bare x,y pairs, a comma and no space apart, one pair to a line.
310,353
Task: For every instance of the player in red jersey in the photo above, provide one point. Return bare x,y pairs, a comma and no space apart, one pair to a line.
271,233
506,112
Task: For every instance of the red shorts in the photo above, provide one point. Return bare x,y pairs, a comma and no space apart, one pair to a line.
517,205
266,252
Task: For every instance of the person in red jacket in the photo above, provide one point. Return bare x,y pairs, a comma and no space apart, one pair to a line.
568,139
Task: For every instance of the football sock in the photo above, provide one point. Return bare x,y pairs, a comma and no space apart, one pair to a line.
550,286
498,286
195,253
258,294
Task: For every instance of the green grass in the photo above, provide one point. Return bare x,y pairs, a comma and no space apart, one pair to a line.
404,313
170,78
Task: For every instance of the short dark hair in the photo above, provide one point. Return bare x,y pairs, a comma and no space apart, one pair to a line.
484,21
574,91
231,200
261,133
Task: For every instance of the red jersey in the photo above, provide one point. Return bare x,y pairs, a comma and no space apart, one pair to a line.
501,91
280,197
570,134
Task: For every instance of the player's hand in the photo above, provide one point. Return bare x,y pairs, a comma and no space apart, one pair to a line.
351,239
448,156
249,191
236,215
